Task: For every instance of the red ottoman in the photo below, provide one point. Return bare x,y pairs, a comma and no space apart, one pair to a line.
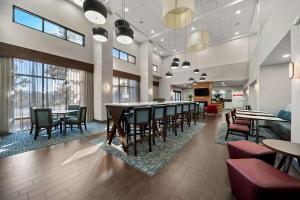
246,149
253,179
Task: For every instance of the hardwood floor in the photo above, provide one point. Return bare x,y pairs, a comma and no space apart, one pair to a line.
81,170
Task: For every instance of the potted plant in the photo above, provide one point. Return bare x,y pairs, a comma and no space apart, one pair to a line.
190,97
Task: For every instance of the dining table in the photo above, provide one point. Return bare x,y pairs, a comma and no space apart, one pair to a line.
117,111
250,111
63,113
255,113
258,118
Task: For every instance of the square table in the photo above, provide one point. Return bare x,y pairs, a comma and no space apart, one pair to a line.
63,113
256,114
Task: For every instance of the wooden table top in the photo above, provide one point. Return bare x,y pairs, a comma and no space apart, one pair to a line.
256,114
149,103
284,147
250,111
266,118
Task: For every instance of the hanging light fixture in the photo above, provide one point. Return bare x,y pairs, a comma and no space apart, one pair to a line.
176,60
191,80
124,32
204,75
174,65
177,13
95,11
202,78
100,34
196,71
198,41
185,63
169,74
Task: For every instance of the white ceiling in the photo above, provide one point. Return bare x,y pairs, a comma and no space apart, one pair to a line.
216,16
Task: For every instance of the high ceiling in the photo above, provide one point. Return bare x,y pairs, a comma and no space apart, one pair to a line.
219,17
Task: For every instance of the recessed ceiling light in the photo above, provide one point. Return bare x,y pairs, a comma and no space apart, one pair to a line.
238,12
286,55
152,31
236,33
162,39
161,53
126,9
193,28
155,49
174,50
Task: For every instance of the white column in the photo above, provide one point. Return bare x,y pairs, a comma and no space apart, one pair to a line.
295,55
103,72
146,72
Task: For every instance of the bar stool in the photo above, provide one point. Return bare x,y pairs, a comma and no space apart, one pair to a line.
192,114
186,112
179,115
141,117
171,118
158,117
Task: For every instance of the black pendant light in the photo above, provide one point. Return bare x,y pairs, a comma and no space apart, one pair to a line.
202,78
196,71
176,60
169,74
191,80
100,34
185,63
174,65
203,75
95,11
124,32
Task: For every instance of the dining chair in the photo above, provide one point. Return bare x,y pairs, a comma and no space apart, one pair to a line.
236,120
79,120
171,118
192,114
72,107
44,119
200,109
32,119
186,113
231,127
158,119
140,117
179,115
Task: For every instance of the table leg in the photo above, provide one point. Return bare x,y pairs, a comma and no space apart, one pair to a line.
64,126
257,131
298,159
287,164
281,162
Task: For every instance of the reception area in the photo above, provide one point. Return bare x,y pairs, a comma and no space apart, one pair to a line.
161,99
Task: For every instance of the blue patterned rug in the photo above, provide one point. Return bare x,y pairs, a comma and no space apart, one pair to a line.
162,152
265,133
15,143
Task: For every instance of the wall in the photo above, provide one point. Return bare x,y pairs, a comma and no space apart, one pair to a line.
157,60
275,87
61,12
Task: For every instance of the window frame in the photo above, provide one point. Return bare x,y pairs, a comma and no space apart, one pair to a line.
127,59
43,25
119,86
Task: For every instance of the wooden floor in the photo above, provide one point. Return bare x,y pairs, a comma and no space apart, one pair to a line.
81,170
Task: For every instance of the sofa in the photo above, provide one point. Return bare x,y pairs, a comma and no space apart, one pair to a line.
282,129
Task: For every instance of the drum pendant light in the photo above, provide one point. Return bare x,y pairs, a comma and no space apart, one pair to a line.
202,78
100,34
196,71
203,75
198,41
178,13
174,65
176,60
169,74
191,80
95,11
124,32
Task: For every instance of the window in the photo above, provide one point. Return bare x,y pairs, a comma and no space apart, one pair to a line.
36,22
123,56
27,19
43,85
177,95
155,68
125,90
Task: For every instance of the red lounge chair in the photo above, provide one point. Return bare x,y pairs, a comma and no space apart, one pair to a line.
231,127
211,109
246,149
253,179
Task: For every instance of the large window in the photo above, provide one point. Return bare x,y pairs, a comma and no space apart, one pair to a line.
42,85
125,90
177,95
36,22
123,56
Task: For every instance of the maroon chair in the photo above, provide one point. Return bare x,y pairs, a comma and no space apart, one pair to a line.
211,109
231,127
246,149
253,179
236,120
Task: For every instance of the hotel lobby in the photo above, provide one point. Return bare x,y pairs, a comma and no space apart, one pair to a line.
160,99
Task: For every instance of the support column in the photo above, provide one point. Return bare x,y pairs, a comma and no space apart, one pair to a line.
103,72
146,72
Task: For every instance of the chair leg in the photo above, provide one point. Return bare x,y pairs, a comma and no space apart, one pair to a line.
175,124
36,133
194,116
80,128
31,129
71,127
149,140
49,132
153,131
85,125
227,134
181,122
61,128
134,142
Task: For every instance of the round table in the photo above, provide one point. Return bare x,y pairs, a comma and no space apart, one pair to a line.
289,150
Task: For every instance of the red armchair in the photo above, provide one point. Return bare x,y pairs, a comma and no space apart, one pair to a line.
211,109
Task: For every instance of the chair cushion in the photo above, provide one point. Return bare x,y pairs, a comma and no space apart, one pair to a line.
211,109
243,122
238,127
73,120
253,179
56,122
247,149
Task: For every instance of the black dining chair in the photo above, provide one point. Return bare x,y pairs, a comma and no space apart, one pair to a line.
140,118
186,113
171,118
159,118
179,115
32,119
44,119
192,114
79,120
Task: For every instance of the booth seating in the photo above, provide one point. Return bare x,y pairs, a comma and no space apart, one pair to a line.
253,179
246,149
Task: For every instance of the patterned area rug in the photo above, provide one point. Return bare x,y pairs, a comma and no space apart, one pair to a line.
264,133
162,152
15,143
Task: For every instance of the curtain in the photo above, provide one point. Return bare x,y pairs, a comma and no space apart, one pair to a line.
88,95
6,117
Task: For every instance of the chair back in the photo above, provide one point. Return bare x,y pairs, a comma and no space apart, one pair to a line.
171,110
158,112
142,115
43,117
73,107
201,107
192,107
232,115
32,117
81,116
185,107
178,108
227,116
234,110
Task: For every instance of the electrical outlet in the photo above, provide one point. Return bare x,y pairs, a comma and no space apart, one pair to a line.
296,21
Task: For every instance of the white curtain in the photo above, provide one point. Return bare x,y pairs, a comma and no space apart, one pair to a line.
88,95
6,116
